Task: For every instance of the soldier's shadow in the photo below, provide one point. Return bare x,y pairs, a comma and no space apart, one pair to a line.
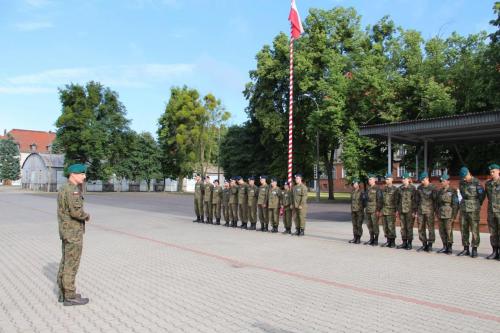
50,272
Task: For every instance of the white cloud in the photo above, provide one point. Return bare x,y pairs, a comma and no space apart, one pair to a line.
141,75
33,25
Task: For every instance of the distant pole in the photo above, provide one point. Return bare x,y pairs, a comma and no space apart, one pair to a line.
290,117
218,158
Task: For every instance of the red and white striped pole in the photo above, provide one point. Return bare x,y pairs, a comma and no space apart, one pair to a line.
290,117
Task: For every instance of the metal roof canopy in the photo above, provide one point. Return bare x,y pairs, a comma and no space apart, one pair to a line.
464,128
471,127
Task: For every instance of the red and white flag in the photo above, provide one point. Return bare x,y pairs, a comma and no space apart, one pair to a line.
294,19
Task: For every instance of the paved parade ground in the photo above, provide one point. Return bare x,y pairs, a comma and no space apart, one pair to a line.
147,268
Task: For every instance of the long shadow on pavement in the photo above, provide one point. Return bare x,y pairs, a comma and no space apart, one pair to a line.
50,272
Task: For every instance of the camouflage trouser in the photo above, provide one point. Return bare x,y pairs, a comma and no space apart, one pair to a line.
372,223
226,211
357,223
68,267
263,215
470,223
446,231
234,212
198,207
407,221
426,221
300,218
494,227
207,207
389,222
216,210
287,217
274,216
243,213
252,213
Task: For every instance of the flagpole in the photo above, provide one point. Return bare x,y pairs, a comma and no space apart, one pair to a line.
290,116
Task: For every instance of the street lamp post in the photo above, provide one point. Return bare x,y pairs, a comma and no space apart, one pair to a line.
316,181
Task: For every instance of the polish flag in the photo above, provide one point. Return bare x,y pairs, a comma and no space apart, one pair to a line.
294,19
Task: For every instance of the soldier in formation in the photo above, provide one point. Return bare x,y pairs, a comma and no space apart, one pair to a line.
447,209
493,194
358,203
426,207
406,210
389,200
198,199
373,209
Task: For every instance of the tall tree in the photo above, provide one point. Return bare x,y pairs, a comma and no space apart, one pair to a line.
92,128
9,160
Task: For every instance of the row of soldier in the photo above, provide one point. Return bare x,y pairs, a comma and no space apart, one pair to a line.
238,200
422,205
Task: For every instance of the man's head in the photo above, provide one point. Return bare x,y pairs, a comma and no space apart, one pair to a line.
216,182
77,173
286,186
355,183
197,177
298,178
372,179
263,180
406,179
239,180
445,180
465,174
424,178
251,180
274,182
388,179
207,179
226,184
233,182
494,171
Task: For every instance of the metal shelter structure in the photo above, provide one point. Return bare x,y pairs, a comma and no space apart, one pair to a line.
461,129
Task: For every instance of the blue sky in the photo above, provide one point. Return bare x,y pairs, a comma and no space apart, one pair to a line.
140,48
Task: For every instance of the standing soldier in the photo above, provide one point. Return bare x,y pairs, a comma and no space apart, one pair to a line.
207,199
493,193
252,202
472,198
243,202
389,203
262,203
71,218
233,203
426,203
287,208
447,209
299,205
274,204
406,210
358,202
226,207
373,208
198,199
216,201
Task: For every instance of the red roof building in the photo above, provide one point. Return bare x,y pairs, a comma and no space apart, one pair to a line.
31,141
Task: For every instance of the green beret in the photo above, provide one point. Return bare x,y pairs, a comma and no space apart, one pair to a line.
444,176
372,175
388,175
423,175
77,168
406,175
463,172
355,180
494,166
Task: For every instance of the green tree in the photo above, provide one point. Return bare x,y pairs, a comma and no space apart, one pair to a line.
92,128
9,159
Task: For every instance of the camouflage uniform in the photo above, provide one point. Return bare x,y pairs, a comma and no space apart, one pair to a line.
233,203
358,202
389,202
473,196
262,205
300,200
406,208
207,199
71,219
252,205
216,202
373,207
243,204
447,207
287,209
273,205
198,201
426,200
226,208
493,193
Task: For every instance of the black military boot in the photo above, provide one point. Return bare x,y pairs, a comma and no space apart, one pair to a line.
266,227
493,254
226,224
262,227
497,257
358,240
301,233
253,226
244,225
352,241
423,247
61,297
197,219
202,219
370,241
444,249
387,242
217,221
465,252
474,252
375,241
403,245
75,301
297,232
409,246
449,249
392,243
210,221
275,229
287,231
429,247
